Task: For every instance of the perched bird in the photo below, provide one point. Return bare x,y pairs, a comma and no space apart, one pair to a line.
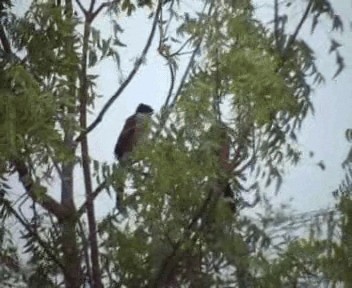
131,134
132,131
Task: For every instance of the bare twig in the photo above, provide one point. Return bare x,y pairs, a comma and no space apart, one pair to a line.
172,84
133,72
276,24
79,3
102,6
172,3
20,212
166,107
91,7
293,37
178,51
186,73
94,194
164,51
191,62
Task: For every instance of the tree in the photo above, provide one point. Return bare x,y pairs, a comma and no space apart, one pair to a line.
178,232
323,257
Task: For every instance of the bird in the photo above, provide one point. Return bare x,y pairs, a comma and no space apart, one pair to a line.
130,136
132,132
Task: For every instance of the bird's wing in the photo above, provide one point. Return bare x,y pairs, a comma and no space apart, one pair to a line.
126,139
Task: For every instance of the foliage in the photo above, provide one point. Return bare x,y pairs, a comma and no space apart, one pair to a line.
245,79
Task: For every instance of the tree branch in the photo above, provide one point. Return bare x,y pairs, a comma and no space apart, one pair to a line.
41,242
172,83
3,38
83,99
293,37
85,244
179,50
186,73
133,72
164,51
166,107
276,23
4,41
102,6
44,200
170,262
190,63
94,194
84,11
91,7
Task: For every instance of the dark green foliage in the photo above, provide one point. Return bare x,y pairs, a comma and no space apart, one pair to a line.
247,84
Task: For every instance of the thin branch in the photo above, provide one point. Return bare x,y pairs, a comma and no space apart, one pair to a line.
217,78
170,262
41,242
20,212
86,252
94,194
4,41
164,51
172,15
133,72
276,24
3,38
172,84
102,6
57,167
293,37
54,225
24,195
178,51
79,3
91,7
166,112
191,61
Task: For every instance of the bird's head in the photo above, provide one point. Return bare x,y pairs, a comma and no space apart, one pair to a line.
144,109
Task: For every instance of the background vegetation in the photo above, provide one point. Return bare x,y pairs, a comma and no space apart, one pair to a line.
252,79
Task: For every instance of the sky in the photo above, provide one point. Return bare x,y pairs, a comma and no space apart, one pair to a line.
323,133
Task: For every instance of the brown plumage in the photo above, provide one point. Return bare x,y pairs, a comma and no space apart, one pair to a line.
131,132
129,137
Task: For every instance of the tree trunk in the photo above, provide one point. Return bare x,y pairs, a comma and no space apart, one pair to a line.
71,259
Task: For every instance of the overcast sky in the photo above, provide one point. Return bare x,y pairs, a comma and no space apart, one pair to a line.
322,133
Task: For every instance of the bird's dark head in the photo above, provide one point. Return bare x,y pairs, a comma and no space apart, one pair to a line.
144,109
